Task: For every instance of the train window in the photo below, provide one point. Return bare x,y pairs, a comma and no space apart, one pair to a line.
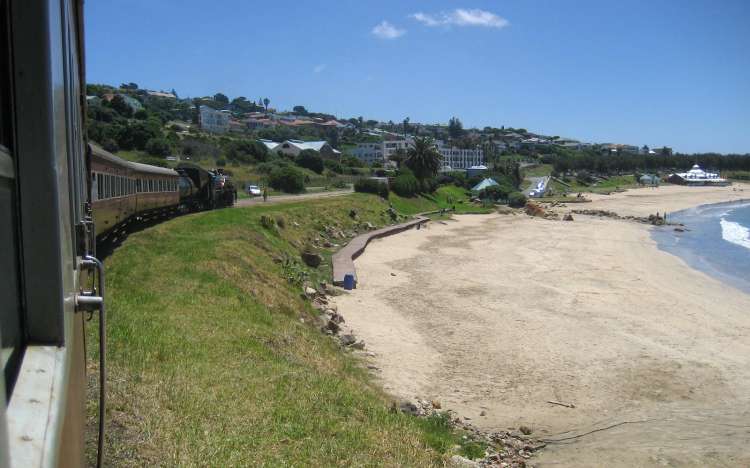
94,187
11,312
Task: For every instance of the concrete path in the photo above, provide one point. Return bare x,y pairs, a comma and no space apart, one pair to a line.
343,260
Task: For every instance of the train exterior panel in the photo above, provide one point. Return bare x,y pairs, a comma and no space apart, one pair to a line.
123,191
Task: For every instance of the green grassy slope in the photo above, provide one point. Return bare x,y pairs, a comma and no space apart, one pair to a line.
215,358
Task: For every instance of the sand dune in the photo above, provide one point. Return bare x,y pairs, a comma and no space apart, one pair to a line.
501,313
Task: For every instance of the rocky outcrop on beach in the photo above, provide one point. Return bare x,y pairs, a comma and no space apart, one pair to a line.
653,219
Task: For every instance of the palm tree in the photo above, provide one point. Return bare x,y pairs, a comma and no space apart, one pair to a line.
266,101
423,158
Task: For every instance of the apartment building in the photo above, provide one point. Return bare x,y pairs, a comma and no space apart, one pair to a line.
214,121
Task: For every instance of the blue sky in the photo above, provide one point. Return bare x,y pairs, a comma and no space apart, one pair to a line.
642,72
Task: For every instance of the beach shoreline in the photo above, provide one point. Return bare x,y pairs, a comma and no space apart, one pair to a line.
495,315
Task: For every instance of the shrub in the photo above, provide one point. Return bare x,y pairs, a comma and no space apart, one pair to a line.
158,147
428,185
268,222
405,184
110,145
333,166
517,199
287,179
371,186
221,162
494,193
310,159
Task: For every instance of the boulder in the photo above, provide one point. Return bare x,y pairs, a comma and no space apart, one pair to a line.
568,217
348,340
312,259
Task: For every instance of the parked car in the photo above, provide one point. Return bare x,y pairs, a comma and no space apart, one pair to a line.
253,190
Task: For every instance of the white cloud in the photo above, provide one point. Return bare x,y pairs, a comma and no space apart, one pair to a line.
386,30
319,68
462,17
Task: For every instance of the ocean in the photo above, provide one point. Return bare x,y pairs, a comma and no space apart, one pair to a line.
716,240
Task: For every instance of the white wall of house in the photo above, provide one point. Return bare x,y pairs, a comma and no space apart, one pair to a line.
214,121
458,158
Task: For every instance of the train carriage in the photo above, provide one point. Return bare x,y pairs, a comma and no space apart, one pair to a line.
124,191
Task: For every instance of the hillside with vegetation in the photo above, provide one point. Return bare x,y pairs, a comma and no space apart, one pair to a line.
216,358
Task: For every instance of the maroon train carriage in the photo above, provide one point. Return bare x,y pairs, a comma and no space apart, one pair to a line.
123,191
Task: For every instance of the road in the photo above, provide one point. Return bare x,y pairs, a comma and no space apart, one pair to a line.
274,199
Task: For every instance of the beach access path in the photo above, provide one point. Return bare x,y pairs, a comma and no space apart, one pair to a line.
496,315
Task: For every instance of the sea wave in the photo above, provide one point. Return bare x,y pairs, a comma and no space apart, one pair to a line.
735,233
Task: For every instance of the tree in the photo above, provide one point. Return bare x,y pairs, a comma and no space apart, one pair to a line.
455,128
310,159
287,179
130,85
221,99
266,101
118,104
423,158
299,110
406,125
158,147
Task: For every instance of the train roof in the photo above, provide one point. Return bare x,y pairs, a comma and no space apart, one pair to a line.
139,167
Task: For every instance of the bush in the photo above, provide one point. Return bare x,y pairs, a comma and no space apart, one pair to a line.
371,186
287,179
310,159
158,147
221,162
333,166
517,199
110,145
494,193
405,184
428,185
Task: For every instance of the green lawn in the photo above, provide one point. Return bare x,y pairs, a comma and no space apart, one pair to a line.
216,360
448,196
537,170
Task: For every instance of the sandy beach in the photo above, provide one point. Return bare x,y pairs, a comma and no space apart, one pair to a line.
495,315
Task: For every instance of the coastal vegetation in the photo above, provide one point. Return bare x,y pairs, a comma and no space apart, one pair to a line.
215,358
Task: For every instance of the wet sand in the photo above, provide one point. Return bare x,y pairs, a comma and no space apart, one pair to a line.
502,313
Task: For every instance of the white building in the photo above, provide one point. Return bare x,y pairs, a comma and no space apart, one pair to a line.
214,121
459,158
697,176
369,153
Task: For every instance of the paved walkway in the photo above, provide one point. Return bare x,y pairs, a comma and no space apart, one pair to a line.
274,199
343,260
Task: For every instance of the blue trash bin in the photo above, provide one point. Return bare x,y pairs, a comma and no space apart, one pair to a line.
348,281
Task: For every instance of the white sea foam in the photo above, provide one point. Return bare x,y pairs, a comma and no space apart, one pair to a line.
735,233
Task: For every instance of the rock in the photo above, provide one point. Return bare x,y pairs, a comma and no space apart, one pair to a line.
337,318
311,259
409,408
332,326
373,367
328,244
525,430
568,217
393,274
348,340
359,345
679,229
483,413
458,461
436,404
310,291
369,226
